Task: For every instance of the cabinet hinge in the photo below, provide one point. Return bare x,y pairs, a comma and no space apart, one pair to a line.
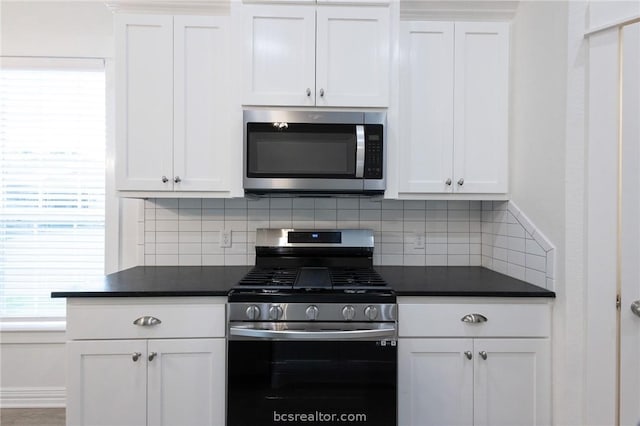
618,302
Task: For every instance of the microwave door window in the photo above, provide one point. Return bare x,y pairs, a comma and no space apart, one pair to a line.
300,154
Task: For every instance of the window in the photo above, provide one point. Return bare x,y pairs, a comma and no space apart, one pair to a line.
52,181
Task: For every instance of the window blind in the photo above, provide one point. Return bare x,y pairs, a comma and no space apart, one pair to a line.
52,181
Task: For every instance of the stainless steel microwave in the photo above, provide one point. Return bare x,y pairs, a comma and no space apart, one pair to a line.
314,152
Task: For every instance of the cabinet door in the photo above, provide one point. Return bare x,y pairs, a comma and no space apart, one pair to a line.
352,59
426,84
481,107
107,383
187,382
435,382
144,99
512,385
201,103
279,58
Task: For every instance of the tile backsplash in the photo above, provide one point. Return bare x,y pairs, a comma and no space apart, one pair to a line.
512,245
188,231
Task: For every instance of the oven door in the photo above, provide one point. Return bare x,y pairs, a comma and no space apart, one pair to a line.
284,374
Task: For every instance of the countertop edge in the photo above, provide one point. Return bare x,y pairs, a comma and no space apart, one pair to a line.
549,295
151,293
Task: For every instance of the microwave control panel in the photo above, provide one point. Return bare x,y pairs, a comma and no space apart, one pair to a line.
373,152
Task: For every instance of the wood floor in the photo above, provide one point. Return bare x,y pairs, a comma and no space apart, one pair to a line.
32,417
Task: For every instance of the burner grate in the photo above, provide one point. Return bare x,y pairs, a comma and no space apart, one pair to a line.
359,277
270,277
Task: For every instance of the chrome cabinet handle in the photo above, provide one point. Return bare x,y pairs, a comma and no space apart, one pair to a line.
177,179
152,355
448,182
322,93
635,308
474,318
147,321
483,354
461,181
136,356
165,179
468,354
308,92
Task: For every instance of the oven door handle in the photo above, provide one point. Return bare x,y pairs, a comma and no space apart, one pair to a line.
378,333
360,151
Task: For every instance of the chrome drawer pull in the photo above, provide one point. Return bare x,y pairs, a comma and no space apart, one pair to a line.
483,354
135,356
635,308
152,355
468,354
474,318
147,321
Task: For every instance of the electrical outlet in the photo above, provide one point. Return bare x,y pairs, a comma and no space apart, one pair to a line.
225,238
418,241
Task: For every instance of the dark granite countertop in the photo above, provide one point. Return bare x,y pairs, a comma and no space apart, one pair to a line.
153,281
457,281
176,281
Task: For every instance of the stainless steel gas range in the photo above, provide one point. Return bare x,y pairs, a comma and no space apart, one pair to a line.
312,333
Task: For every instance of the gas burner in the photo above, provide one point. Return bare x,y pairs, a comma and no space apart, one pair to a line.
356,277
269,277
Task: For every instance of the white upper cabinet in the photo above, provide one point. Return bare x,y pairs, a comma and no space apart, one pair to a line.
352,56
427,116
480,115
280,47
144,101
454,100
173,103
202,110
307,55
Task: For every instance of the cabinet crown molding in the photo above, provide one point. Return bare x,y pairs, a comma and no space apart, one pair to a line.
457,10
211,7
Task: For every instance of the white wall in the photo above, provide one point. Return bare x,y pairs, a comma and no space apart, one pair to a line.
538,166
37,28
538,117
32,363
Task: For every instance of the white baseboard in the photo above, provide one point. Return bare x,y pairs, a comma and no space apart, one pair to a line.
43,397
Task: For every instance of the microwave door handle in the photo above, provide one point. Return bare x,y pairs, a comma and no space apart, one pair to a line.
359,151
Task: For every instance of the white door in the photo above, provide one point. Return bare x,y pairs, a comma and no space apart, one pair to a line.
202,134
187,382
481,107
630,291
144,99
512,382
435,382
352,57
107,383
279,54
426,84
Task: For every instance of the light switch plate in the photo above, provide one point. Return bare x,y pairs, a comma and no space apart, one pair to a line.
225,238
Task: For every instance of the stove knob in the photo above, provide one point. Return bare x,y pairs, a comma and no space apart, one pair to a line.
348,312
275,312
253,312
312,312
371,312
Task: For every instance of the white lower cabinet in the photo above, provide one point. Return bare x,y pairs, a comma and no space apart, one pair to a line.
470,378
104,385
151,376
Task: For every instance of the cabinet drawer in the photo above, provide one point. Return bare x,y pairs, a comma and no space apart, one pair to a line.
445,320
114,318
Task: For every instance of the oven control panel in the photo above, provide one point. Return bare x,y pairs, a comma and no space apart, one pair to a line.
379,312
